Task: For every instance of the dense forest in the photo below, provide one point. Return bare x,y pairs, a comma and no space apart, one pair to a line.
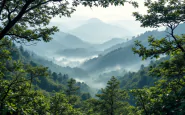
28,86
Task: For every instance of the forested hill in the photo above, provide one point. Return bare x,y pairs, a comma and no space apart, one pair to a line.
123,57
74,72
122,54
54,80
144,37
141,78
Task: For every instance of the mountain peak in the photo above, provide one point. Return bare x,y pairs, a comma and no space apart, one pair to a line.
94,20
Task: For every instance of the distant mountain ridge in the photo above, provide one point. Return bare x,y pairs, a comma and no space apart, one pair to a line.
96,31
60,41
65,44
144,37
70,40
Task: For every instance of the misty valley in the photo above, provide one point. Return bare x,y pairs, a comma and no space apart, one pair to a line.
92,63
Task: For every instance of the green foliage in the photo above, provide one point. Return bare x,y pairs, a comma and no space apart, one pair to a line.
112,97
167,96
59,105
168,13
16,80
71,92
139,79
85,96
163,12
111,101
26,87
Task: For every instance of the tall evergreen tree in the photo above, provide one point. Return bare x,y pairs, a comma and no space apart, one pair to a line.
71,91
112,98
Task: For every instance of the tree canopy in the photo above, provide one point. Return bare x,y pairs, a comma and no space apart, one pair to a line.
163,13
167,96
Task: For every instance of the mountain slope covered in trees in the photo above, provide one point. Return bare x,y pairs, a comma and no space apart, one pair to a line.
122,54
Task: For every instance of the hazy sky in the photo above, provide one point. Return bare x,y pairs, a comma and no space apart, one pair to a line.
116,15
106,14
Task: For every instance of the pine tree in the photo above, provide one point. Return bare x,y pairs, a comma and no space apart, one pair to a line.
72,91
112,98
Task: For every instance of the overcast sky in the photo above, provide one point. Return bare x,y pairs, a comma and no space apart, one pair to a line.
106,14
116,15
